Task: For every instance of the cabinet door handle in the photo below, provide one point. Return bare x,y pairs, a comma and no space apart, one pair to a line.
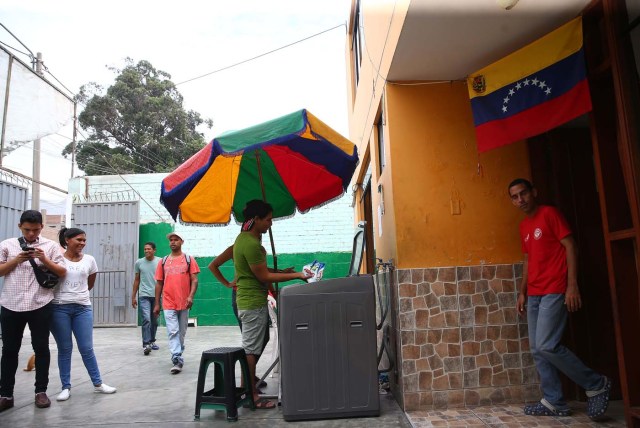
302,326
356,323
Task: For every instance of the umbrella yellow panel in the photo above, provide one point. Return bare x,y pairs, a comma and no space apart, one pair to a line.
211,199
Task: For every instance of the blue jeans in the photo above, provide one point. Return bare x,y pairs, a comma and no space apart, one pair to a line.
176,322
547,318
149,321
76,319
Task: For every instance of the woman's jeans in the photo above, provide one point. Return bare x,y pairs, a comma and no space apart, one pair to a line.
149,320
176,322
77,319
547,319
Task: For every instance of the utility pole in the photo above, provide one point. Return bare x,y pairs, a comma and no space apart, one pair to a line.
35,184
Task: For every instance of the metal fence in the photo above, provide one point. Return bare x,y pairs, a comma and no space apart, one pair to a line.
108,298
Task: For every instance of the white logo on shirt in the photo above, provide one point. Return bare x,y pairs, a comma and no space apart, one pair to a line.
537,234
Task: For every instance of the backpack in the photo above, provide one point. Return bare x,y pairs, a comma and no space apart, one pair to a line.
187,258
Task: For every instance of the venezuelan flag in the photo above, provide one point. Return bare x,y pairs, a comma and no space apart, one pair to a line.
536,88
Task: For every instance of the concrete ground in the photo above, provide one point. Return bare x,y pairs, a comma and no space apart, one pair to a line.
147,393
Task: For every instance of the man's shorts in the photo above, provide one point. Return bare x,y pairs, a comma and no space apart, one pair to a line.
254,325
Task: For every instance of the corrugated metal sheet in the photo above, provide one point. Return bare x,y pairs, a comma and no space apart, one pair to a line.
112,238
13,201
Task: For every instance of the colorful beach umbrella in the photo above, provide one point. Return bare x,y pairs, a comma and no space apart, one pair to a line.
293,162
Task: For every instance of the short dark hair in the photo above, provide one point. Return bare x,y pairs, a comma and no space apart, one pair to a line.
256,208
31,216
65,234
151,244
517,181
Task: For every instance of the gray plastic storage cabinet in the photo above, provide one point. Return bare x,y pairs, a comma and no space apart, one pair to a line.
328,349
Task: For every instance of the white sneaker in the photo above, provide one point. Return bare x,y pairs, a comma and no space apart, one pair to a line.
104,389
64,395
176,368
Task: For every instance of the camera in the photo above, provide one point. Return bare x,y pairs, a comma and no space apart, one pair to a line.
25,248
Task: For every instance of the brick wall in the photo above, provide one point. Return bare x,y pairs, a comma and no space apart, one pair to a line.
459,339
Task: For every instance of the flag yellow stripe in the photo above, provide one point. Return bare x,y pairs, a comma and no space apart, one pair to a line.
212,198
540,54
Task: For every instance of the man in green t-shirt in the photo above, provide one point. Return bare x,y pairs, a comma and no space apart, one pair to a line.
144,288
250,262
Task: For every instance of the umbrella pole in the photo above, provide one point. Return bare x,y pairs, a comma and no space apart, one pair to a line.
264,198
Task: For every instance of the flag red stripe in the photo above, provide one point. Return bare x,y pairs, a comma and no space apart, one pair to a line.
535,120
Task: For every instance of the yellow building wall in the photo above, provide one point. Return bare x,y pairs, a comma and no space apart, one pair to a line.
435,170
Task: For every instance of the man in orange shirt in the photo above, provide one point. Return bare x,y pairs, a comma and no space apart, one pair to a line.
176,283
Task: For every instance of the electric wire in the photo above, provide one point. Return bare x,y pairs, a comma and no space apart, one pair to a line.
259,56
15,49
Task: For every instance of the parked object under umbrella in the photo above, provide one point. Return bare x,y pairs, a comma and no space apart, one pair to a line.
293,162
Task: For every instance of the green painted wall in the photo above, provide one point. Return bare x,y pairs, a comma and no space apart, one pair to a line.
212,305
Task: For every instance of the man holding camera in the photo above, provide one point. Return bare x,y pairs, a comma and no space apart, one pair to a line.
23,301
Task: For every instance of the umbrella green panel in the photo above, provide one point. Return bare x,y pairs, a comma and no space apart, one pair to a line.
254,165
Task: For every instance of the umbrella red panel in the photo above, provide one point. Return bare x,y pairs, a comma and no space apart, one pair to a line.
310,184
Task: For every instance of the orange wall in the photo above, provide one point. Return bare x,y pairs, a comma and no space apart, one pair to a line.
432,160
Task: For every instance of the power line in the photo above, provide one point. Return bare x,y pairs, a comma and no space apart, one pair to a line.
259,56
15,49
30,54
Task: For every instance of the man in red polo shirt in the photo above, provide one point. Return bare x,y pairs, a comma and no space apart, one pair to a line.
176,285
549,282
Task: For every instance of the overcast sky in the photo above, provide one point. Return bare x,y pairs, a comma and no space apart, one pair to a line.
78,39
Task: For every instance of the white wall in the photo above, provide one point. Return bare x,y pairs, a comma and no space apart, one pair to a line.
326,229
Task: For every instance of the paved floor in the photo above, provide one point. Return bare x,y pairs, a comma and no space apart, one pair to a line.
149,395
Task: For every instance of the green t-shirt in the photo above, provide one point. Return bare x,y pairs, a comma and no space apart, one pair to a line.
247,251
147,270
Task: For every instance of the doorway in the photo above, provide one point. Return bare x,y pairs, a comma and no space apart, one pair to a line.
562,168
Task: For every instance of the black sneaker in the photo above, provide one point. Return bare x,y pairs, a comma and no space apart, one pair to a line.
147,350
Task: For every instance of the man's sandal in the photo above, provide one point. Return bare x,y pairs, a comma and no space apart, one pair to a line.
598,404
540,409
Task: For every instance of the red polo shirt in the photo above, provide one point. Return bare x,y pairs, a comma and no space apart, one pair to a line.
547,258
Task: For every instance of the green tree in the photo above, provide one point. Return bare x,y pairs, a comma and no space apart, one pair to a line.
138,126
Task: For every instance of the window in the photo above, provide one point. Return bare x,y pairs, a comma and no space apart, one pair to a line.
356,42
380,138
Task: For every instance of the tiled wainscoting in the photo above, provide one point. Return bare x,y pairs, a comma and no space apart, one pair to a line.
459,339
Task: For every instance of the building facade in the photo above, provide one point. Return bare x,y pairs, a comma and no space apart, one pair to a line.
439,209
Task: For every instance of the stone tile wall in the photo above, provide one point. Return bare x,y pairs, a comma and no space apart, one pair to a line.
459,339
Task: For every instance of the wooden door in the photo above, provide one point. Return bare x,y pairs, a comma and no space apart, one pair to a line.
563,171
613,81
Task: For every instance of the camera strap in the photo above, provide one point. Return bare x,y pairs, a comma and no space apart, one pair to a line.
23,243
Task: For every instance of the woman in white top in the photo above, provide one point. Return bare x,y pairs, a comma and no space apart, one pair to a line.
72,312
